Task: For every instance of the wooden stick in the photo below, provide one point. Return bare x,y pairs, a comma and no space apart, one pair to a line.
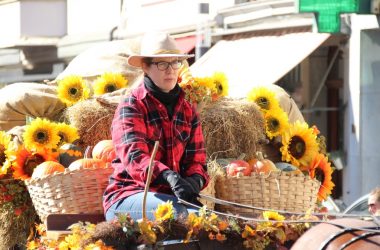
150,173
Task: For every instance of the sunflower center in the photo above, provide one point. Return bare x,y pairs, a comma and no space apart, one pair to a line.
297,147
2,154
320,175
62,137
73,91
263,103
41,136
31,163
219,87
110,88
273,125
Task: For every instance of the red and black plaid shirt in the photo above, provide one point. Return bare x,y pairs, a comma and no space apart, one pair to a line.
139,121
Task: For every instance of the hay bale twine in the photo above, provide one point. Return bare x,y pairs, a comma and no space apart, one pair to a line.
232,127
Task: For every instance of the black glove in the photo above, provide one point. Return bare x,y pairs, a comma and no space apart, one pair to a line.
180,187
196,181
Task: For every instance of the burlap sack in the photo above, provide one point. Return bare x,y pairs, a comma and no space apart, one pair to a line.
19,100
105,57
287,103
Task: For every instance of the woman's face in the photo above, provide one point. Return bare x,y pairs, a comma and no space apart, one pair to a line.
164,72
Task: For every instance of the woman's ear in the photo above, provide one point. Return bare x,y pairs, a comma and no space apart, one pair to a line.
144,67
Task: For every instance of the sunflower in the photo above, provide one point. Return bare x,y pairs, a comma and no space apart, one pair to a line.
221,84
26,161
164,212
5,139
299,144
72,89
276,122
205,82
67,133
320,168
109,82
41,134
269,215
264,98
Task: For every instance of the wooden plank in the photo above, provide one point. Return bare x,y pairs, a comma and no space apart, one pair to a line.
61,222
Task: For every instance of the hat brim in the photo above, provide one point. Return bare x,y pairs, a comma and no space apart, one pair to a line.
136,60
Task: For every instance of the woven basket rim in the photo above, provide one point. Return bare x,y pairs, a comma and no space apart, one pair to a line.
273,174
67,171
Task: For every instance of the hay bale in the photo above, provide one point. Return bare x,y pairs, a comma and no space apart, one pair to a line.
232,127
93,119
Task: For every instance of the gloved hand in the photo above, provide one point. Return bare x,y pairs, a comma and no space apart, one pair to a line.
196,181
180,187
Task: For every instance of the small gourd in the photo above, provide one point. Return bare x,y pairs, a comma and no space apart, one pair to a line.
87,162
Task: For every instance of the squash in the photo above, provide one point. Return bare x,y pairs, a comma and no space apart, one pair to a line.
262,165
87,162
69,153
104,150
47,168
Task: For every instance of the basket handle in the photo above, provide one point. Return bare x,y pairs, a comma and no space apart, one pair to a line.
150,173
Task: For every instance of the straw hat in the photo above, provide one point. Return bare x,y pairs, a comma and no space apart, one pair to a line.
156,44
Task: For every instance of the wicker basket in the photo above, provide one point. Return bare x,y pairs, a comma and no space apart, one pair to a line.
210,191
278,190
77,191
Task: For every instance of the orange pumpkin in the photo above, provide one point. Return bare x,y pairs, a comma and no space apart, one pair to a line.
104,150
47,168
87,163
262,165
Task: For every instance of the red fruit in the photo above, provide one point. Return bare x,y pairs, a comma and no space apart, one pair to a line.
239,166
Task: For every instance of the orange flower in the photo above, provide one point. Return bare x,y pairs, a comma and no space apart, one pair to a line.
320,169
315,130
220,237
248,232
26,161
222,225
211,236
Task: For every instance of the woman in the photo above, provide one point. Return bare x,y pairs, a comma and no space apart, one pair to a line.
156,110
